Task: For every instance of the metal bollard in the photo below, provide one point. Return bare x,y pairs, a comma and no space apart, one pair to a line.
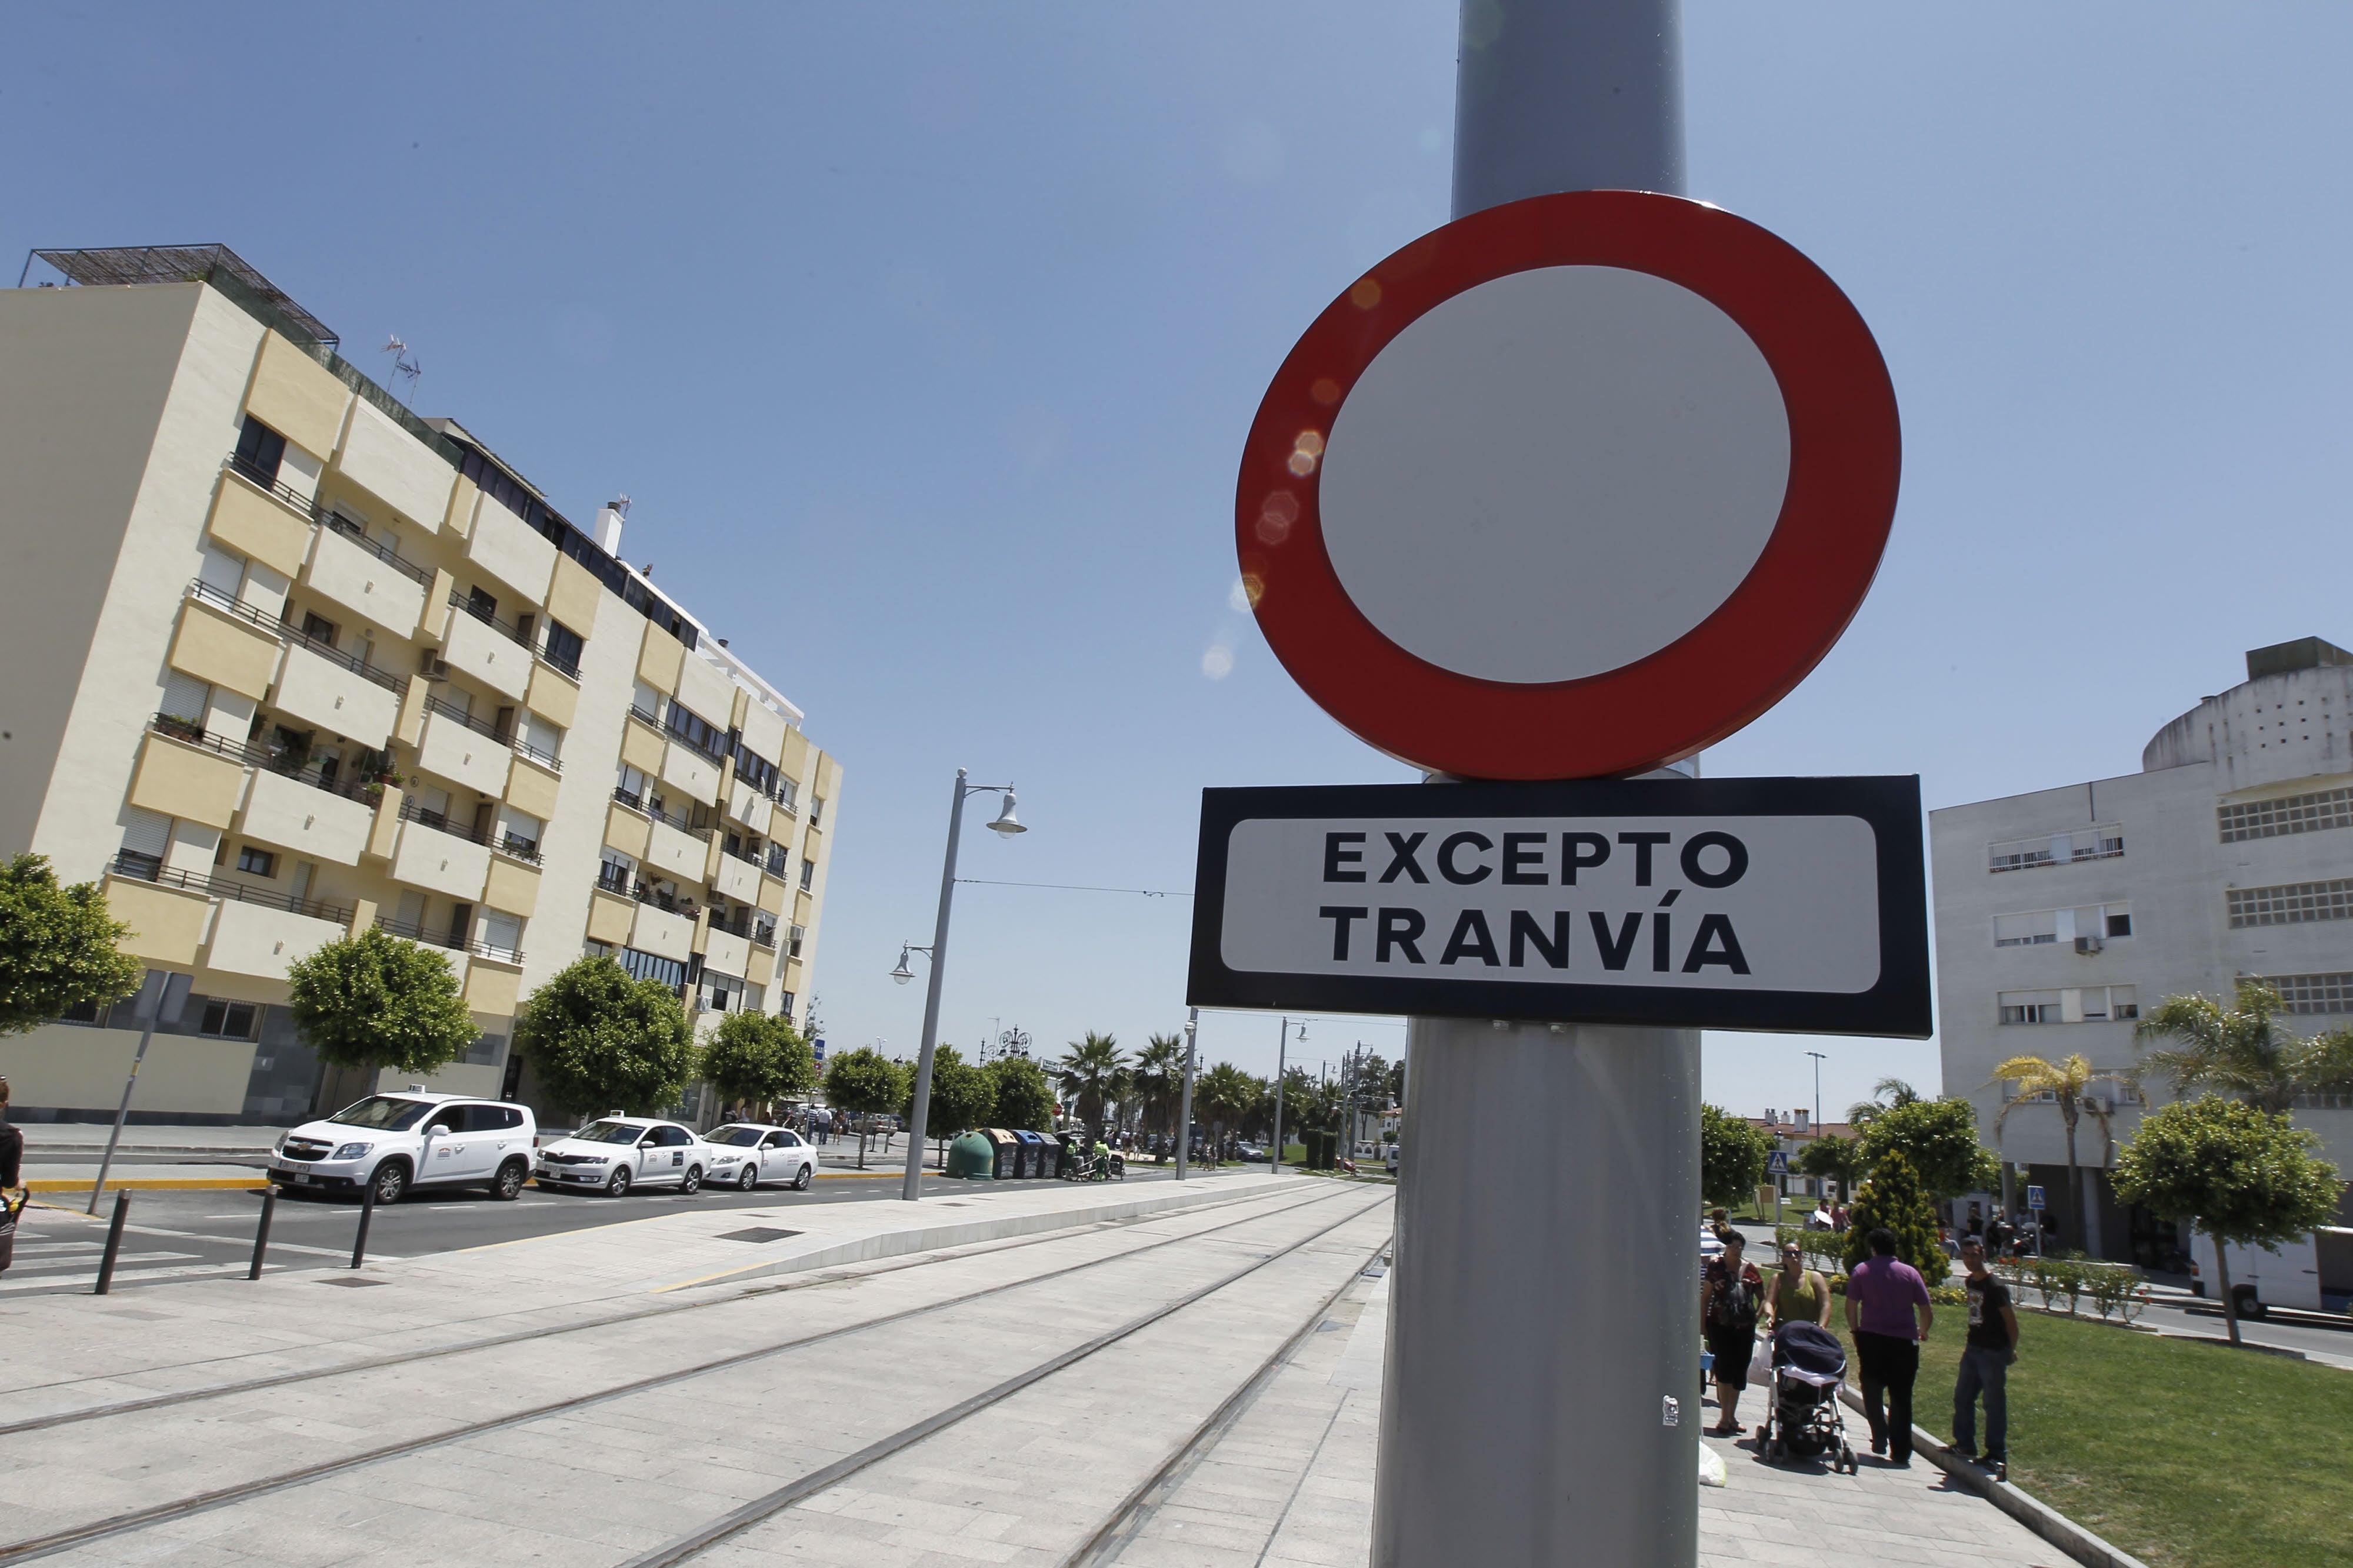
261,1235
113,1241
367,1213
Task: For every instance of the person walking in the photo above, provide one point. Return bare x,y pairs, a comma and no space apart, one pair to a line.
1730,1293
1884,1294
12,1168
1796,1294
1987,1356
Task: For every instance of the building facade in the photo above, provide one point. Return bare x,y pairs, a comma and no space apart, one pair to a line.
2063,914
290,661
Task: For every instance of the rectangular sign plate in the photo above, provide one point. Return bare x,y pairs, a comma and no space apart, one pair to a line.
1795,904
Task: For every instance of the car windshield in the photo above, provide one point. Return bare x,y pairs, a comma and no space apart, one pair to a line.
383,1112
610,1133
734,1137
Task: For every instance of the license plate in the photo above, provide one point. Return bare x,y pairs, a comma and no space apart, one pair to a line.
299,1168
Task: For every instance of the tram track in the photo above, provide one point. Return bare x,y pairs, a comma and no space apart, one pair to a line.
815,1279
131,1522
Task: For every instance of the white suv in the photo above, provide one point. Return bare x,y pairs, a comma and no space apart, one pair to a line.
395,1142
623,1151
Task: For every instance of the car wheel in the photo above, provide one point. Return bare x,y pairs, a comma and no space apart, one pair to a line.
801,1182
689,1182
391,1182
511,1178
617,1184
750,1178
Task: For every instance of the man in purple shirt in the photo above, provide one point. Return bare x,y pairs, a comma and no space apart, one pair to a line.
1883,1295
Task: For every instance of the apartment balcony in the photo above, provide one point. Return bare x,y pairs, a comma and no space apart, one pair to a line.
440,855
737,879
748,807
313,816
339,693
242,926
726,952
661,931
510,551
454,745
490,650
369,579
677,853
183,772
692,770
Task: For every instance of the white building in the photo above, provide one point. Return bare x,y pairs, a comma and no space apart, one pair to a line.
2062,914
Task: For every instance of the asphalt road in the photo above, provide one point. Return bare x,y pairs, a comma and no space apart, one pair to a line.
179,1235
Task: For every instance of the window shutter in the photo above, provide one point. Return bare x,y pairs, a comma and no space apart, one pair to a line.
146,831
185,697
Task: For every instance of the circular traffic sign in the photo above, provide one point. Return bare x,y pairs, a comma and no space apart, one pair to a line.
1570,488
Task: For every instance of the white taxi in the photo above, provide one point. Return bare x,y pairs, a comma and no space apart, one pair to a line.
619,1152
745,1154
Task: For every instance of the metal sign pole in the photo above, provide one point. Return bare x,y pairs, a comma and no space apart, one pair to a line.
1547,1161
1184,1106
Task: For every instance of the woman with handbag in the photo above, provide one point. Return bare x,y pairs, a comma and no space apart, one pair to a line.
1731,1292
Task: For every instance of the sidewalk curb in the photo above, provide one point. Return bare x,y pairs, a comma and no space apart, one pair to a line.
2029,1510
144,1183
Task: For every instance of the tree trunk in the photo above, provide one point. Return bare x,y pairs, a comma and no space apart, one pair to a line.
2222,1278
2074,1188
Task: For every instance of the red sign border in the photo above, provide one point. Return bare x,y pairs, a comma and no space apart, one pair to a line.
1845,460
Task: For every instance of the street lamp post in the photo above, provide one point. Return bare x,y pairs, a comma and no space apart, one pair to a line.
1185,1109
1007,824
1281,1045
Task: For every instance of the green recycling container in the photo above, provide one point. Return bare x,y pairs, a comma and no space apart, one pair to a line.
973,1157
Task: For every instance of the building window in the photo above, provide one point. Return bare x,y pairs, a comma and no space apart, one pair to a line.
2294,813
227,1020
2330,993
2073,1004
777,859
2099,843
653,966
564,645
808,874
787,793
256,862
88,1015
2086,927
694,729
259,450
793,948
2294,903
784,1006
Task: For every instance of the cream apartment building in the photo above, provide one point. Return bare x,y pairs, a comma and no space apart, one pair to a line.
288,661
2063,915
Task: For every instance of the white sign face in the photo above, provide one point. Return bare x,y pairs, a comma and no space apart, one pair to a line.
1555,474
1796,904
1734,903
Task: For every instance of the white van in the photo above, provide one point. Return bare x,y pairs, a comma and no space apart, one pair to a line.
410,1139
2288,1277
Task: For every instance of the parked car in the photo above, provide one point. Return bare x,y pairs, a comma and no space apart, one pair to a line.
617,1153
1390,1159
415,1138
745,1154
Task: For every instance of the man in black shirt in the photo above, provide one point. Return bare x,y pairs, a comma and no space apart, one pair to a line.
1986,1358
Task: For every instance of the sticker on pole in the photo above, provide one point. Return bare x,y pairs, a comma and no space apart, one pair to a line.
1784,904
1570,488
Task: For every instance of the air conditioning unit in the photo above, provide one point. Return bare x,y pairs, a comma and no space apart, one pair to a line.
433,666
2088,944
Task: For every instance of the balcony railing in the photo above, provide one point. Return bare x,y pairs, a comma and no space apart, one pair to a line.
520,848
146,868
327,517
249,753
411,811
281,627
612,879
506,737
678,820
736,847
507,629
447,939
421,575
634,802
765,935
645,893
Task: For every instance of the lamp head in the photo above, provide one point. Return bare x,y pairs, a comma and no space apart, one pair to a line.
903,973
1007,823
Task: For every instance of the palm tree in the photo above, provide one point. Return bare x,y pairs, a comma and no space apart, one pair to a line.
2239,1052
1158,1079
2065,1082
1886,1095
1223,1093
1094,1071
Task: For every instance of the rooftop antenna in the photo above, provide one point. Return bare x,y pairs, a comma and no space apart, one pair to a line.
402,365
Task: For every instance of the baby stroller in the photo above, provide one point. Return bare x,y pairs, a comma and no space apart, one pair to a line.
1805,1417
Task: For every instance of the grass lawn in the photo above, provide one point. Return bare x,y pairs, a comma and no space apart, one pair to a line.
2182,1454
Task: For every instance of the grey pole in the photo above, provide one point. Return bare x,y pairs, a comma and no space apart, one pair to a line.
1281,1045
913,1187
1549,1202
1184,1106
161,995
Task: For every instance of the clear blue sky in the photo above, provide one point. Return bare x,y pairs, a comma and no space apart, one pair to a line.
925,337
